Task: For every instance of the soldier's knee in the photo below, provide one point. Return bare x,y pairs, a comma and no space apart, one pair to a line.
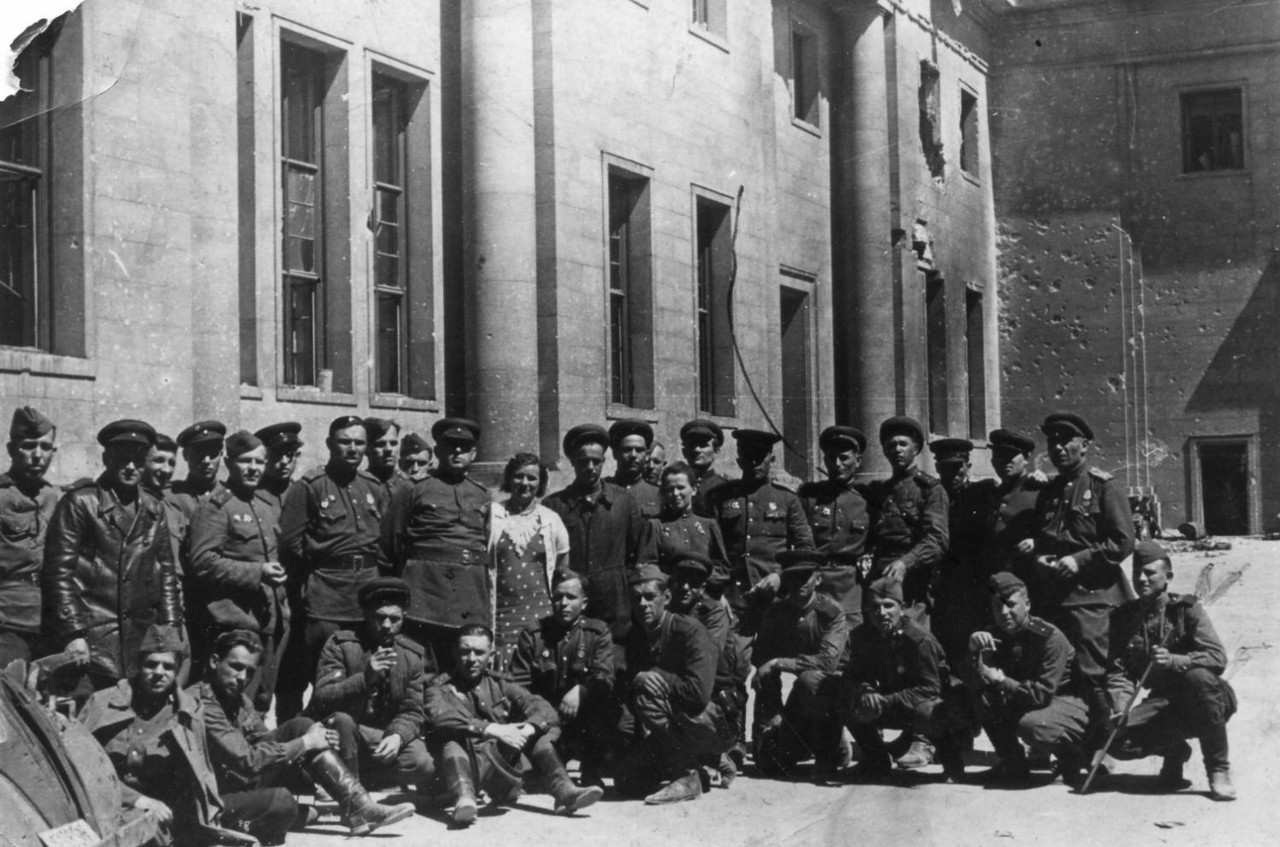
1038,732
1201,681
810,681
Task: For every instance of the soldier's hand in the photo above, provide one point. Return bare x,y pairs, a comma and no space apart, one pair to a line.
1162,658
1067,566
896,571
655,684
388,748
273,573
989,674
981,642
570,703
78,647
763,673
316,737
1026,545
768,585
1038,476
506,733
871,705
162,812
1046,562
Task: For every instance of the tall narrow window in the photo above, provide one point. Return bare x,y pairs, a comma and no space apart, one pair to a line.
715,351
931,118
630,295
709,15
302,118
975,343
1212,130
936,350
805,76
25,281
968,132
247,200
390,268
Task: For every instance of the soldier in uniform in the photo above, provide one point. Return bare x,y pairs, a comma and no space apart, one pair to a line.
802,632
959,600
235,563
201,445
484,724
604,526
892,678
283,448
329,531
1019,678
567,660
672,663
253,765
1171,634
758,520
908,518
677,529
435,539
383,453
415,457
952,458
1085,533
700,443
27,501
655,462
157,474
837,516
629,440
108,566
369,687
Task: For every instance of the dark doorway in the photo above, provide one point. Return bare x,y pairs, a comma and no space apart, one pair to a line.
1224,486
795,380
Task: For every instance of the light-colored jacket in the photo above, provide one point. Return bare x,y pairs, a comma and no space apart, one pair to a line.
555,540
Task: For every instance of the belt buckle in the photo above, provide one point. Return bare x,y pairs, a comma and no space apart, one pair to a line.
357,562
466,555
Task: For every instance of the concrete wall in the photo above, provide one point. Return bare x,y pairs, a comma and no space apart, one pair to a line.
1087,141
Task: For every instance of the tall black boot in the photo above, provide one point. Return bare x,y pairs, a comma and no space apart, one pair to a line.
569,797
360,812
455,771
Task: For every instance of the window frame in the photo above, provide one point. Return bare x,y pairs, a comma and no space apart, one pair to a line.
629,305
808,64
1240,89
971,164
713,351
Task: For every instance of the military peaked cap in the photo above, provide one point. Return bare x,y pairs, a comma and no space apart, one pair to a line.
455,429
834,437
127,432
902,425
702,428
203,432
1009,438
281,435
384,589
1068,421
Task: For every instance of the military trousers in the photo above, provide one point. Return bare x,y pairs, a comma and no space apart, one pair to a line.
1059,725
1196,704
678,740
411,766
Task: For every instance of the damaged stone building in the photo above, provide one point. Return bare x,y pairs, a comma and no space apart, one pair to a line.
532,212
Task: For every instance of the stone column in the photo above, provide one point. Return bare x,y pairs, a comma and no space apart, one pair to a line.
499,213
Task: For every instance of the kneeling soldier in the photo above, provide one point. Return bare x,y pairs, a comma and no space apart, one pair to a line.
802,632
1019,675
253,765
567,659
1189,697
485,725
370,685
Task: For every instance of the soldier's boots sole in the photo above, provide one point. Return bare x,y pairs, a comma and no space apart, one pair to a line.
578,798
687,787
1220,787
375,815
464,812
918,756
1171,776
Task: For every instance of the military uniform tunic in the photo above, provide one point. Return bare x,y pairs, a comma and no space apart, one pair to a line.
24,519
908,523
758,521
664,537
703,486
232,534
393,704
644,493
839,521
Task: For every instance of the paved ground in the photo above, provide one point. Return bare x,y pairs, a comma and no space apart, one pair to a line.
924,811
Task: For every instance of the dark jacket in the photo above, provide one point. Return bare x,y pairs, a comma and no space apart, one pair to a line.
236,738
24,521
681,650
550,659
459,712
908,522
1036,663
812,637
107,580
663,537
906,667
1180,624
1085,514
393,704
646,495
231,536
758,520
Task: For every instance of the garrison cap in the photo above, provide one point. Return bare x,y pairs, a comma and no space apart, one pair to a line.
648,573
239,443
413,443
227,640
384,589
885,589
1147,552
800,564
1068,421
127,432
560,575
455,429
834,437
1005,584
280,436
163,638
630,426
346,422
378,427
702,428
951,449
690,562
165,443
584,434
203,432
759,438
902,425
1009,438
29,422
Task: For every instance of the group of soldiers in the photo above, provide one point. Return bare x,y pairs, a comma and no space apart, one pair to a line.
903,603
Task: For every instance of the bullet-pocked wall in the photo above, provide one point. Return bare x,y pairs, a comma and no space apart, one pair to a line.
1137,196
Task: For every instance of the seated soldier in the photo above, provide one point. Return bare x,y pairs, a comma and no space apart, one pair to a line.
689,573
485,724
567,660
369,687
1171,635
802,632
254,765
1019,679
892,679
674,724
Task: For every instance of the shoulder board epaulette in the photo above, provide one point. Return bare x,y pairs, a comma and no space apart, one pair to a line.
827,607
83,482
368,477
220,496
595,625
1098,473
345,635
441,679
476,484
1040,627
1187,600
409,644
925,481
314,473
786,483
